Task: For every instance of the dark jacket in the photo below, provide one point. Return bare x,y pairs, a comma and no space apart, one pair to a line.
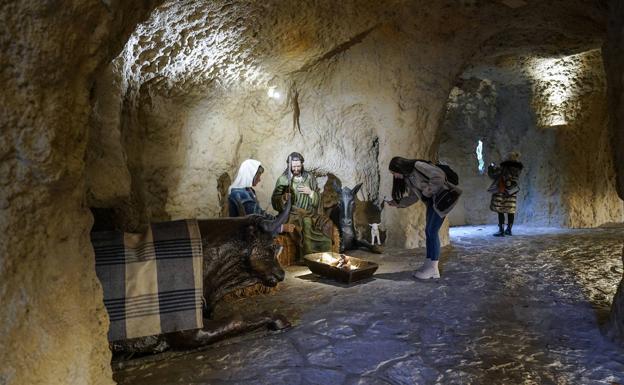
504,187
428,182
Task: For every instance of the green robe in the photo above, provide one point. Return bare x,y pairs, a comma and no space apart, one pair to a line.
313,231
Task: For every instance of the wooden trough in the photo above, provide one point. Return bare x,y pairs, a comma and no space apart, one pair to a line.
332,265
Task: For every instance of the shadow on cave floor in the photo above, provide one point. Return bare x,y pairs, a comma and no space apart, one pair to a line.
514,310
327,281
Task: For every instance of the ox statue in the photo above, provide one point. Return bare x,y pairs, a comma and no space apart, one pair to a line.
348,236
237,253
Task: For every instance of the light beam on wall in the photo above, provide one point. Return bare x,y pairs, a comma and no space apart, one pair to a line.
554,80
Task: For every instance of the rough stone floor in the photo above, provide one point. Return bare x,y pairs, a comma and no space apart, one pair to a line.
519,310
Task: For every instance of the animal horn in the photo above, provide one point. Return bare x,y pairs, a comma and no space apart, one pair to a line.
356,189
272,226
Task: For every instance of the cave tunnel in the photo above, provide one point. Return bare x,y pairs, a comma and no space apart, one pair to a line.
118,115
553,111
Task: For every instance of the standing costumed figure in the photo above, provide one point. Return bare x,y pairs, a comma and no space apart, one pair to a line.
504,189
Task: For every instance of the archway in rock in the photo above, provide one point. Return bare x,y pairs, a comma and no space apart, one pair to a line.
553,111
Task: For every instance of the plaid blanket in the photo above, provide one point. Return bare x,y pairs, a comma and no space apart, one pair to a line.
152,282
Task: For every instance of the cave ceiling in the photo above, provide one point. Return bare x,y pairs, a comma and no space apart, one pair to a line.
197,46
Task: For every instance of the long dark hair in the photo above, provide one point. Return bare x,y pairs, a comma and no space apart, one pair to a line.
401,166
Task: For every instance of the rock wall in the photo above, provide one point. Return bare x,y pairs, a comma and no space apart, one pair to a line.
351,96
614,67
108,180
53,324
551,110
348,84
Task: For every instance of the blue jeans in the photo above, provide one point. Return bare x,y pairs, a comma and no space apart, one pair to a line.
432,227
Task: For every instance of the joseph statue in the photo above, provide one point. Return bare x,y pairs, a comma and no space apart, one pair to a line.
312,230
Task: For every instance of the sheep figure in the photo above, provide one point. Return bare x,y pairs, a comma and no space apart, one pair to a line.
374,233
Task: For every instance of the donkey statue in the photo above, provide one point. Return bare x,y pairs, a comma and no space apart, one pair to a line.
346,205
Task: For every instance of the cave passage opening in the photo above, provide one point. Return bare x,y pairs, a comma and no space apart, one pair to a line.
552,111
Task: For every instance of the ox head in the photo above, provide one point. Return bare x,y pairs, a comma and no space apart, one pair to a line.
264,264
263,252
346,203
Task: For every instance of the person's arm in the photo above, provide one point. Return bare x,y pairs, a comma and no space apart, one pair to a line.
245,203
233,210
409,200
309,188
281,187
315,196
413,191
252,207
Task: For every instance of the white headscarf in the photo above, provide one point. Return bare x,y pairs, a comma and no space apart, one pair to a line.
246,173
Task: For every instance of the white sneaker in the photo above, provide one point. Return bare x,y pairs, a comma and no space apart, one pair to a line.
424,266
430,271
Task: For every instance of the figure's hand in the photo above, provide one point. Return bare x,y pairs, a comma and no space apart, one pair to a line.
288,228
304,190
285,197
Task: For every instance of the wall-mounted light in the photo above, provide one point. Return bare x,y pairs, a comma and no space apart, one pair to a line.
273,93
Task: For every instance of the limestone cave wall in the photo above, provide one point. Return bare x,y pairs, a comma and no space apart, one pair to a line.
614,67
205,86
554,112
53,324
348,95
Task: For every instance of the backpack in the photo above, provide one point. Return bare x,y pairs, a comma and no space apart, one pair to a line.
451,176
445,200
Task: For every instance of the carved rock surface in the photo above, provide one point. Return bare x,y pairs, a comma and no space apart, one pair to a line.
207,85
53,324
614,66
553,112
